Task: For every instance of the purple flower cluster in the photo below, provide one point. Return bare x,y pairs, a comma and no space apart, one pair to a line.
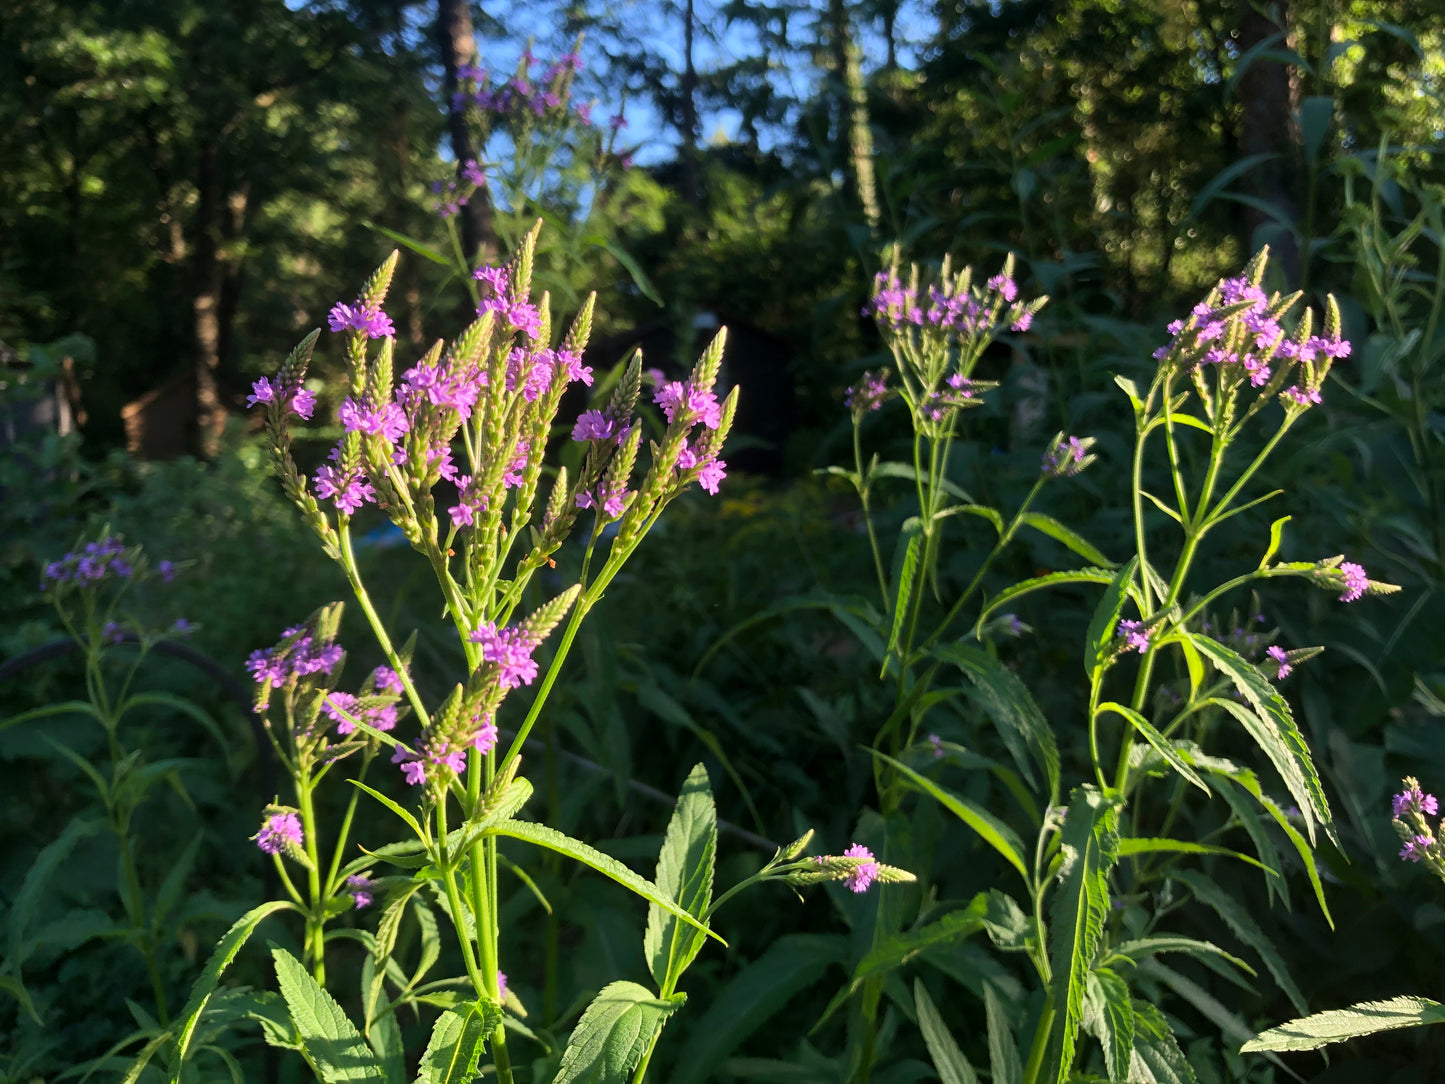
296,655
280,832
510,650
435,751
1280,657
92,564
1136,636
1066,456
958,391
1414,800
684,403
868,394
964,313
338,706
1238,328
1356,582
864,874
360,888
522,94
360,317
516,313
611,498
300,401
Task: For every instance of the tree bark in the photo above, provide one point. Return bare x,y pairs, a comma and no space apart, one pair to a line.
1267,110
457,44
205,307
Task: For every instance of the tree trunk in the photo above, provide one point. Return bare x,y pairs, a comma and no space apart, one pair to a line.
229,269
205,308
457,43
689,109
1267,127
853,113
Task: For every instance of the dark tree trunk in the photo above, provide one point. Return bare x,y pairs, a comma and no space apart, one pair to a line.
205,306
458,46
1267,127
229,268
689,109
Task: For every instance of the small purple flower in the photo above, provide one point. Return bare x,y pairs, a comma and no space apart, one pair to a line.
182,628
1281,660
1356,582
280,831
1301,396
868,394
937,743
680,399
112,633
501,982
473,172
510,650
1136,636
1414,800
594,425
616,121
711,475
360,888
360,317
1066,456
387,680
864,875
261,392
166,570
1022,322
1416,849
303,403
1005,286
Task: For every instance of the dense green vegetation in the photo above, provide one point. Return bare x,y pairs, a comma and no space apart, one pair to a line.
190,187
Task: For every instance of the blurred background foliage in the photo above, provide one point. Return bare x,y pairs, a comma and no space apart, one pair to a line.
187,186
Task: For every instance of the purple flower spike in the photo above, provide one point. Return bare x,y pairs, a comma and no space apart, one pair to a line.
1281,660
280,831
510,650
1416,848
868,394
360,888
1356,582
1136,637
1414,800
864,875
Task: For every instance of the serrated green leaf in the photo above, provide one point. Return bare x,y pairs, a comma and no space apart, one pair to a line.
387,928
1128,848
1107,1007
1139,948
330,1040
1008,702
1100,638
225,951
391,805
1160,743
1237,917
1157,1057
1089,843
948,1059
903,591
1039,583
384,1035
900,947
37,877
1337,1025
457,1041
1273,728
1003,1052
1068,536
1008,926
684,875
614,1033
990,828
543,836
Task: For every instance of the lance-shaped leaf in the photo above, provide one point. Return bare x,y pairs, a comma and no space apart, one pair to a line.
1110,1016
903,592
614,1033
684,875
990,829
948,1059
1160,743
1337,1025
543,836
1090,842
1068,536
1273,729
1098,645
1157,1057
1003,1052
331,1041
225,951
457,1042
1012,708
